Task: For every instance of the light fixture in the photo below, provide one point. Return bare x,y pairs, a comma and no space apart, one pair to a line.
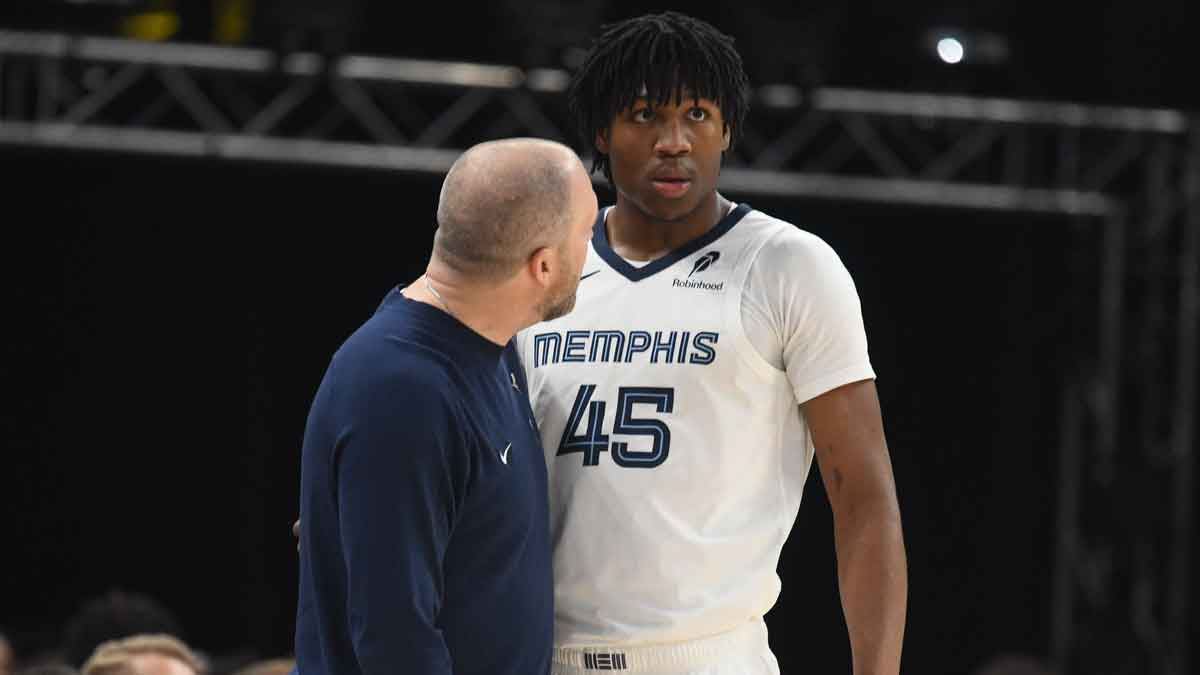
950,49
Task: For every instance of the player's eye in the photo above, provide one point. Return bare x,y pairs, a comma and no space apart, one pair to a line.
698,114
643,115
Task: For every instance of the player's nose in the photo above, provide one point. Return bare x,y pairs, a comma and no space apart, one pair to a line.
672,139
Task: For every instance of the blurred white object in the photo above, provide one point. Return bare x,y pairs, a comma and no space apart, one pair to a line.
950,50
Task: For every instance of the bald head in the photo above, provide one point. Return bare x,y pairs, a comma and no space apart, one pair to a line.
503,200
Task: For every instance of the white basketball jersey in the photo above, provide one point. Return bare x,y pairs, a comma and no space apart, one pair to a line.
677,454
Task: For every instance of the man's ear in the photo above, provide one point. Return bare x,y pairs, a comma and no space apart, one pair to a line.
540,266
602,141
726,137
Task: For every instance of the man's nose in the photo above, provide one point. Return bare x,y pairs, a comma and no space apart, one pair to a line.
672,139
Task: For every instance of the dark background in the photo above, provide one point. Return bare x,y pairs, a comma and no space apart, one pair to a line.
1136,52
167,323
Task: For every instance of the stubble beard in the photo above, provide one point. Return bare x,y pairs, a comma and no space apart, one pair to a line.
562,304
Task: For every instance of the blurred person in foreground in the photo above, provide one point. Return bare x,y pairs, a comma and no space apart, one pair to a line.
144,655
425,545
8,658
280,666
113,615
714,353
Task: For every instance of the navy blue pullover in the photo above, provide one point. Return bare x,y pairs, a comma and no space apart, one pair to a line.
424,539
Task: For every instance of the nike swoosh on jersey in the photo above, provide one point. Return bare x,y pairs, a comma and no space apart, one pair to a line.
588,275
504,455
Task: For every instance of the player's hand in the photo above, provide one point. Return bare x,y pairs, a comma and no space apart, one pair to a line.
296,533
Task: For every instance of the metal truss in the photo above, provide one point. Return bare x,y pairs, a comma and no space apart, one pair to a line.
363,111
1129,179
1125,522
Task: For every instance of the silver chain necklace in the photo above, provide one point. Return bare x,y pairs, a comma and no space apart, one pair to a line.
437,295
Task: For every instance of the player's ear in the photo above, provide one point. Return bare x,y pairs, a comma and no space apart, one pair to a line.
726,137
602,141
540,266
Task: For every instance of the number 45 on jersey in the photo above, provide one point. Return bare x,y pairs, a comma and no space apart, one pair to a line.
591,439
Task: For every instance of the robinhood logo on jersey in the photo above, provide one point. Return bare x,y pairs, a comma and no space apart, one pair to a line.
703,263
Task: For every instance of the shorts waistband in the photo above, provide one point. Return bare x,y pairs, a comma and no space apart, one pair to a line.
671,655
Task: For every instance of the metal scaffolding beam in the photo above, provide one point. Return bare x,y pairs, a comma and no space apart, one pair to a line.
1128,178
370,112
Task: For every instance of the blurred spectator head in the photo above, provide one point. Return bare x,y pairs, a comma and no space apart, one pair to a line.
269,667
144,655
114,615
7,658
1013,664
48,669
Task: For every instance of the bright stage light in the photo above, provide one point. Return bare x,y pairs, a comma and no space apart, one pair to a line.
950,50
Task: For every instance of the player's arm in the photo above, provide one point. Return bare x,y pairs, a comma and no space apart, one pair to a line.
852,454
398,486
808,297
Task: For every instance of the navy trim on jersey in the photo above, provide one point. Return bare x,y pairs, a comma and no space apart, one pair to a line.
600,242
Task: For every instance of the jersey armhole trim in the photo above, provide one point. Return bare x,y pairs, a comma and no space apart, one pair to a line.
854,373
745,347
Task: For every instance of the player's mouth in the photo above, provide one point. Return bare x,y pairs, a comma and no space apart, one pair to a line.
671,187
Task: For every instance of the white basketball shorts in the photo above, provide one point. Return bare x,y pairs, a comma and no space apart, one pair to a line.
741,651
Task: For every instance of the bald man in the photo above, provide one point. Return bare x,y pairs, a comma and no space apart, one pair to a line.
425,544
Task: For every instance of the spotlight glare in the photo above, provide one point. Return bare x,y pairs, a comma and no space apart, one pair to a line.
950,50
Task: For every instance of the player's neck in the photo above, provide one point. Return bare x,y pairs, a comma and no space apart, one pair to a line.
487,310
637,235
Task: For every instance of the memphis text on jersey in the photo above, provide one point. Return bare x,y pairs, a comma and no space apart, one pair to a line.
617,346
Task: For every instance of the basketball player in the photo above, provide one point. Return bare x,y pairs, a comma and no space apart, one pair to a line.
713,352
425,540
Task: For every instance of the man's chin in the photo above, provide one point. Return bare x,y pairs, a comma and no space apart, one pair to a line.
560,309
669,210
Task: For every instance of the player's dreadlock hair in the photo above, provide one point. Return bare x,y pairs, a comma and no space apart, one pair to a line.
669,54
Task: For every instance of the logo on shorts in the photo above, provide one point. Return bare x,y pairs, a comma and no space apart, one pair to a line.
604,661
